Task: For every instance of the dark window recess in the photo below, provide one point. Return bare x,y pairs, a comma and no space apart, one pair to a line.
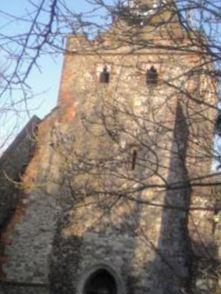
134,159
218,125
105,76
152,76
101,282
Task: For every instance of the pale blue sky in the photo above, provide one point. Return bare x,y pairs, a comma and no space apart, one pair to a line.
44,83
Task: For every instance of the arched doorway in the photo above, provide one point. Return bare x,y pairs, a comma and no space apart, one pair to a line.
100,282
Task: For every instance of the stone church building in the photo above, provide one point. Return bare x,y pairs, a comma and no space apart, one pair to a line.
110,193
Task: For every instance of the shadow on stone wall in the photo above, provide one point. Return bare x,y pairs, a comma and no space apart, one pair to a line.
181,265
176,269
172,267
64,259
66,256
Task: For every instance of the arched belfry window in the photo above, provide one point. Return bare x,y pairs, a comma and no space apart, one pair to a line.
152,76
100,282
105,75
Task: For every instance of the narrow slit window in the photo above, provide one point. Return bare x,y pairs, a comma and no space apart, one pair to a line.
152,76
134,159
105,76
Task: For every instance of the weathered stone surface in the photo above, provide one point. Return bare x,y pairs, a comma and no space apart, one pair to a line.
23,290
73,218
29,263
12,165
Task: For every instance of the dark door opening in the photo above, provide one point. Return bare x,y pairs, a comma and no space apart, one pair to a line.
100,282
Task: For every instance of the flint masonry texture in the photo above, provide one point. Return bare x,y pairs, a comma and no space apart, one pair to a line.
57,239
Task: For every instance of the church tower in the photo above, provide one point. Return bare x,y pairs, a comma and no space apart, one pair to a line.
112,183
